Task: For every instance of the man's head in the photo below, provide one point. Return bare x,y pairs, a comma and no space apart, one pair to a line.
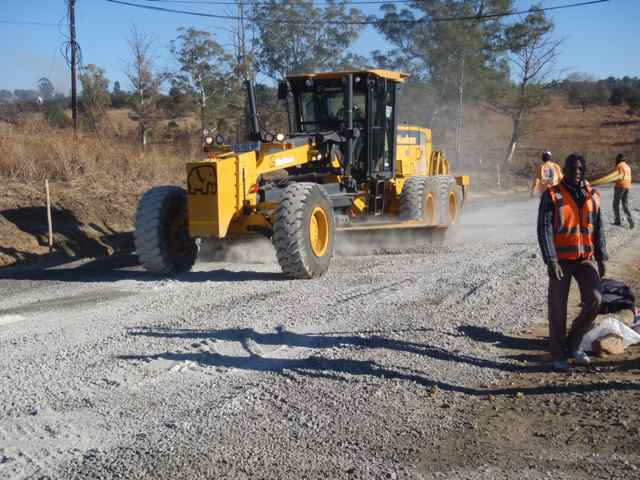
619,158
546,156
574,169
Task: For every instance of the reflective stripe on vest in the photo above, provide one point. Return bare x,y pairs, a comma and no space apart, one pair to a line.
573,227
625,170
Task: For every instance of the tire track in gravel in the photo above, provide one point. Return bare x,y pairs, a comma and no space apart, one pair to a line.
207,350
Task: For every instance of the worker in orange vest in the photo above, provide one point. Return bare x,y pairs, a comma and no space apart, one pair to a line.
547,174
621,191
622,176
572,242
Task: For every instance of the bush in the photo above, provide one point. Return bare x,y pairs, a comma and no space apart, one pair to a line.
633,100
56,116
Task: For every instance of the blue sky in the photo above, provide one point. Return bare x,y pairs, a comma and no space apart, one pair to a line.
600,39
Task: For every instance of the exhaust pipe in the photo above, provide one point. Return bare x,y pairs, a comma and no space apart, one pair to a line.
348,109
255,135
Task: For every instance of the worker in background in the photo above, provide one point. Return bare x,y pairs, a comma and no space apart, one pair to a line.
547,174
572,242
622,176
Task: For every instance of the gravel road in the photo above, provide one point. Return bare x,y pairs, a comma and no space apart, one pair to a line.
232,371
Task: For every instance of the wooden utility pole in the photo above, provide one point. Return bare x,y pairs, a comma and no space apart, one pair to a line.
49,222
74,61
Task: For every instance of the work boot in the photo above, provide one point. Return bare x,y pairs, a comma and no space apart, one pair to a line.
581,358
631,225
617,223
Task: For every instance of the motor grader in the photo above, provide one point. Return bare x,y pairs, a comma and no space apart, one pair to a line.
345,165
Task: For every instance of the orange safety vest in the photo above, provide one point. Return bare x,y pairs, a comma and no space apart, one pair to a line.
549,174
573,227
625,170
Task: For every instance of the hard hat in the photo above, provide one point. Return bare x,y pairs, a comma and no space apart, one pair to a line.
546,156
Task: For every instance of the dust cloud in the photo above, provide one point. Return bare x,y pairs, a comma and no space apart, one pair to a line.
241,250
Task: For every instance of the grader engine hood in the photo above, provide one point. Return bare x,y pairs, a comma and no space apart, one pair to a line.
219,190
210,200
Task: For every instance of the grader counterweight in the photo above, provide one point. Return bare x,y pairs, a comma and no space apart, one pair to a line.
346,165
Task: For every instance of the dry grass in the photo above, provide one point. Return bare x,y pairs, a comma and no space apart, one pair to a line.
33,152
598,134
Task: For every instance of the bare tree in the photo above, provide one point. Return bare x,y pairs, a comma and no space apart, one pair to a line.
145,81
533,51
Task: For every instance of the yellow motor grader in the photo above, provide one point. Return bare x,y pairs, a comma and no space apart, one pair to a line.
346,164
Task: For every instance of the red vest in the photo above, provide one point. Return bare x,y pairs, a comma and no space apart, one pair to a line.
573,227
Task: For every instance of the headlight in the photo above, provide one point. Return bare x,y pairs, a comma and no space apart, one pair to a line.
205,132
208,140
280,137
220,139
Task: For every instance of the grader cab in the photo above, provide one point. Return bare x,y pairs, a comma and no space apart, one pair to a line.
346,164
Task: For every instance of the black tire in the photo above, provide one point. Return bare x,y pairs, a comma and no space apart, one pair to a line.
419,200
292,227
448,199
161,250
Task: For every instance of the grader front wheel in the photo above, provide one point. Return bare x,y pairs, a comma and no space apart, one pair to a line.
304,231
161,236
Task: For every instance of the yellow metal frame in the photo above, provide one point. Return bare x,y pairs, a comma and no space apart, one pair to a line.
389,74
222,189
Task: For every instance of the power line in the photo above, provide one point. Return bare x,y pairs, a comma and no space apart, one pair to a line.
249,3
369,21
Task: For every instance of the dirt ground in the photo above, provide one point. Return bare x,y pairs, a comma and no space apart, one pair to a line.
89,220
579,423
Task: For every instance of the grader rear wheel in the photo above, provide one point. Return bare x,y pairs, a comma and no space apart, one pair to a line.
304,231
161,236
449,199
419,200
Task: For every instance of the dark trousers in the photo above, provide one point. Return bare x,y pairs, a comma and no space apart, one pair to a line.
586,274
621,194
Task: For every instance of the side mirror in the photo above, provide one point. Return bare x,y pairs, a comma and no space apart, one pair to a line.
283,90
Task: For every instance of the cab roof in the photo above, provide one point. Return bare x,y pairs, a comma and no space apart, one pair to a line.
388,74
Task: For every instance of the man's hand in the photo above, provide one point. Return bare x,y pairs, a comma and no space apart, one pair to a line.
555,271
601,269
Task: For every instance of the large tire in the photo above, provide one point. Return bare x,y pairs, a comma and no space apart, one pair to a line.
161,236
304,231
448,199
419,200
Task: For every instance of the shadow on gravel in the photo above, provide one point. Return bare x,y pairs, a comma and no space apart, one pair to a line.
500,340
123,267
316,366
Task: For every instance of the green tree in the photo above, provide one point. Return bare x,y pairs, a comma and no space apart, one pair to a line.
119,97
617,96
56,116
95,95
533,52
455,58
205,72
145,81
293,37
585,91
6,96
632,98
25,95
46,89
